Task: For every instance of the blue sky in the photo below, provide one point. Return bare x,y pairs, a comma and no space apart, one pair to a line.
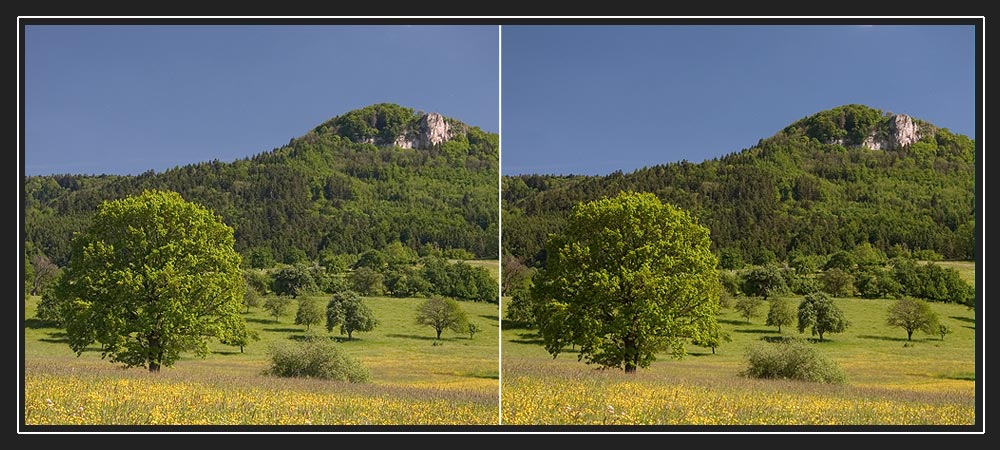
579,99
595,99
123,99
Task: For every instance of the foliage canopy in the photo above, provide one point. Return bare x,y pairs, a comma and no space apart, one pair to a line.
627,277
151,277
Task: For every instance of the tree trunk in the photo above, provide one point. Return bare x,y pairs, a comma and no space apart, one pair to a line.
439,333
155,353
349,335
909,334
631,355
821,336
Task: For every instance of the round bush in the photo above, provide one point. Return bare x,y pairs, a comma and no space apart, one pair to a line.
794,360
315,358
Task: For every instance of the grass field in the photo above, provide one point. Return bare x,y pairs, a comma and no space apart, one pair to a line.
413,381
890,381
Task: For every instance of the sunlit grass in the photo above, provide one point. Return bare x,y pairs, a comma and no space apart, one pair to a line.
108,396
890,381
414,381
564,395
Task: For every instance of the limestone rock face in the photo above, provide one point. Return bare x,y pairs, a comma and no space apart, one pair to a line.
433,130
902,132
402,141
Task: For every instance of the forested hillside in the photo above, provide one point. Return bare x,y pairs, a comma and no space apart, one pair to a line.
832,181
360,181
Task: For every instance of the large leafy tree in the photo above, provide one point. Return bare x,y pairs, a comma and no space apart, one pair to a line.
442,313
818,313
911,315
152,276
348,310
628,276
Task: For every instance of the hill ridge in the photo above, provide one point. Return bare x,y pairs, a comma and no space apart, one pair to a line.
817,186
342,187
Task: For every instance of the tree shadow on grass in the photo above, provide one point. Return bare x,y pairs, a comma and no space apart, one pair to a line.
35,324
972,322
487,375
961,376
301,337
490,317
883,338
733,322
262,321
228,353
419,338
529,338
756,331
56,337
510,325
815,340
284,330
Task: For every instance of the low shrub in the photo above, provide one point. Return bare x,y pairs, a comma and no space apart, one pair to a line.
794,360
315,357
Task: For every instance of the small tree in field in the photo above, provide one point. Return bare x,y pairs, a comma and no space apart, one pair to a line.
277,306
780,313
348,310
152,276
818,312
441,314
45,271
712,337
473,329
251,298
518,308
747,307
943,330
911,315
310,312
242,339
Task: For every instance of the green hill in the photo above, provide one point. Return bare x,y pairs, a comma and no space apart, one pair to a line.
828,182
360,181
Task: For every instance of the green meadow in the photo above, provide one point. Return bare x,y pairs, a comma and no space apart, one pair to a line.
414,381
890,381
